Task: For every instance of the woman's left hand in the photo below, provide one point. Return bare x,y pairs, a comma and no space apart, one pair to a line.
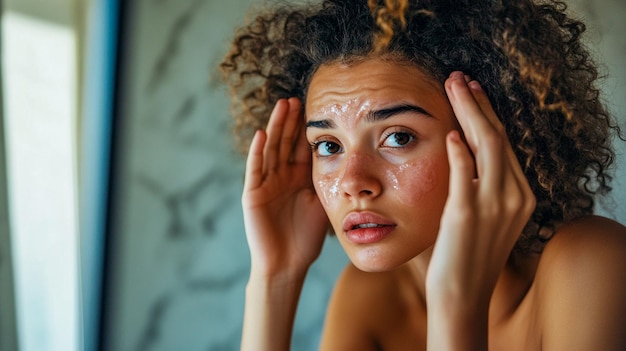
489,203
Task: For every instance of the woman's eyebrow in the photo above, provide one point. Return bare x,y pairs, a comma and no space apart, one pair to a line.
382,114
374,115
322,124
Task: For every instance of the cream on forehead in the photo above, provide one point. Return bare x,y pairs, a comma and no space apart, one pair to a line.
346,113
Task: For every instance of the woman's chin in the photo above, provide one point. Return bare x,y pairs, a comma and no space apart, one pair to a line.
373,260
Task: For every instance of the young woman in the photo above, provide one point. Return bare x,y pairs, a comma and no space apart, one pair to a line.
455,148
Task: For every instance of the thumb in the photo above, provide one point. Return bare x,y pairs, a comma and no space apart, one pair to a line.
462,170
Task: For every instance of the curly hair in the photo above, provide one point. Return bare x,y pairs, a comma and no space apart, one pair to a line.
528,57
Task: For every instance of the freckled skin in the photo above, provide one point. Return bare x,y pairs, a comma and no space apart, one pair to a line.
368,171
412,181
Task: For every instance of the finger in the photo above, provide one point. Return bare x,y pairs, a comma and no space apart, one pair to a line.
466,108
483,139
302,151
461,189
274,132
520,201
289,133
254,163
485,105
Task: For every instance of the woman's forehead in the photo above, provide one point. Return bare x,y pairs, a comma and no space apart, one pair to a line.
340,86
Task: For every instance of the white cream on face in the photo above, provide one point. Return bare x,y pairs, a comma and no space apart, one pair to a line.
348,113
411,181
409,184
328,190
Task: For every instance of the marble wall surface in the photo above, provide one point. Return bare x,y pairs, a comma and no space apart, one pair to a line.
180,260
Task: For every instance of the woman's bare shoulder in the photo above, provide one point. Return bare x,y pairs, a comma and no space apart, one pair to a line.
590,242
581,286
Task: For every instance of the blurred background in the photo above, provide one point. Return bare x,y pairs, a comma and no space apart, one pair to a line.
120,219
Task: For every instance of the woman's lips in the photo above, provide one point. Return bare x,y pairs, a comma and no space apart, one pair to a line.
366,227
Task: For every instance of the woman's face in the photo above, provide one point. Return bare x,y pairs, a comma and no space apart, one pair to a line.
380,167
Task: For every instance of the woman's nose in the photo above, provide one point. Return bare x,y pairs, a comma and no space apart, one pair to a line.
359,177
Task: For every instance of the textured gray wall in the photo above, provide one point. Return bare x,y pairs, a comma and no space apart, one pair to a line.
181,261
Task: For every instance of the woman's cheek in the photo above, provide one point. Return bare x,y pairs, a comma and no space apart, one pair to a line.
327,189
412,181
326,182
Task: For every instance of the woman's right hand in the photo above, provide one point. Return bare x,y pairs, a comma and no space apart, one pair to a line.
284,219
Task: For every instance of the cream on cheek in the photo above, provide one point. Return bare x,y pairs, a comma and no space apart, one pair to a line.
411,181
327,188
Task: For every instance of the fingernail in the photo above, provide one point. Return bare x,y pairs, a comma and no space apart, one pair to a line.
467,78
474,85
456,74
454,136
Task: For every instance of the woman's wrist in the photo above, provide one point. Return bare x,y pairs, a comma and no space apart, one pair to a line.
457,325
283,281
271,304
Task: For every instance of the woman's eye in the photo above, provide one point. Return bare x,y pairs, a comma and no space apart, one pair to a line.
326,148
398,139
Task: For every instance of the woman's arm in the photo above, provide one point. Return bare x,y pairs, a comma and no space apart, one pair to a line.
488,205
271,305
285,227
